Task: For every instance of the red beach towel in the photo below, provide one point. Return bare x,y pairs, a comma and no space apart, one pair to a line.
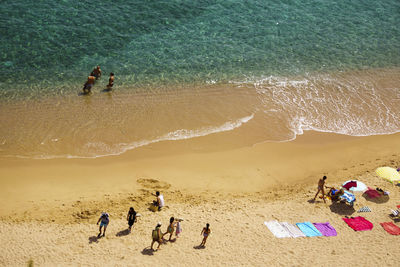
350,185
391,228
359,223
372,193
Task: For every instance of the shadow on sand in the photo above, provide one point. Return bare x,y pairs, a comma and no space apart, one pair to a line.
342,208
379,200
199,247
123,232
94,239
148,251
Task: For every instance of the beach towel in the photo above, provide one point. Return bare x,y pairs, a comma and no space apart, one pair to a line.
350,185
359,223
278,230
372,193
326,229
391,228
293,230
364,209
308,229
348,197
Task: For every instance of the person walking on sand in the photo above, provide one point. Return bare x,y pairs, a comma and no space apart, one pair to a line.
96,72
110,81
131,217
205,233
156,235
104,221
321,185
178,230
171,228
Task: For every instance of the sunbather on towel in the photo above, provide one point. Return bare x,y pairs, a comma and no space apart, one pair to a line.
334,193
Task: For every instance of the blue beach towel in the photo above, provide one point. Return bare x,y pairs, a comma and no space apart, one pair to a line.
308,229
348,197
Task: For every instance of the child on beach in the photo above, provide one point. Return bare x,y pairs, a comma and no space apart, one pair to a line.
156,235
131,217
205,232
178,227
105,220
171,228
110,81
159,202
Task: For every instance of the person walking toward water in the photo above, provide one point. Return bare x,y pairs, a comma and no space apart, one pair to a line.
321,185
205,233
131,217
171,228
96,72
110,81
156,235
105,220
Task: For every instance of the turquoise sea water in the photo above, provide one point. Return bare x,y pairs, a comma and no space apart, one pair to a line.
51,46
260,70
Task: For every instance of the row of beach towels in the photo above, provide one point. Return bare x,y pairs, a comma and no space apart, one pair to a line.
308,229
285,229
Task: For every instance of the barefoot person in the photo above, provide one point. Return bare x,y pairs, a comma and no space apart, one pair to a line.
205,233
321,185
110,81
131,217
96,72
159,202
104,221
171,228
156,235
87,87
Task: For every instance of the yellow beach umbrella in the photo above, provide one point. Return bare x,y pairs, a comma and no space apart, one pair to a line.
388,173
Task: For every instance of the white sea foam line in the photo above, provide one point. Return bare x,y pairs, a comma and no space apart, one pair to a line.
181,134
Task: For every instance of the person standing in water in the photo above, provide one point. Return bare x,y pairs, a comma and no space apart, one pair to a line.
321,186
96,72
87,87
110,81
205,233
131,217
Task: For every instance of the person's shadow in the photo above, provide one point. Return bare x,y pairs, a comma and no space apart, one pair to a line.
341,208
123,232
199,247
94,239
147,251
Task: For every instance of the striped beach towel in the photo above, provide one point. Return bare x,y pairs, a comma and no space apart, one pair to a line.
364,209
348,197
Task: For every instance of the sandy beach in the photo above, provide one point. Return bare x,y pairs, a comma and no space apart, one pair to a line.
50,207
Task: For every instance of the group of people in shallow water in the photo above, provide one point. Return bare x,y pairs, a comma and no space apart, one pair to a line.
157,236
95,75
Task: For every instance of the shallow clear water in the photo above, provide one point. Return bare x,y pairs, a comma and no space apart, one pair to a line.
191,68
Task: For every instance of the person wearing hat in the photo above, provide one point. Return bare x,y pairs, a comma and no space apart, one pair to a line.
156,235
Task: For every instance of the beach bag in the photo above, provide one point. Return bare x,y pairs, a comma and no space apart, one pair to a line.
154,234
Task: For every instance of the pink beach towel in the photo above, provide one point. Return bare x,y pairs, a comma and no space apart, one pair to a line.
372,193
326,229
391,228
359,223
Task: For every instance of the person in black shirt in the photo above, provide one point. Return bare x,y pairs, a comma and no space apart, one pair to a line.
131,217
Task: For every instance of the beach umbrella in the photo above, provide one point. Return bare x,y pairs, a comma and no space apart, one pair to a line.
388,173
354,185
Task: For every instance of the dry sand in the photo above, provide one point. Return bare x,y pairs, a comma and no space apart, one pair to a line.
50,207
